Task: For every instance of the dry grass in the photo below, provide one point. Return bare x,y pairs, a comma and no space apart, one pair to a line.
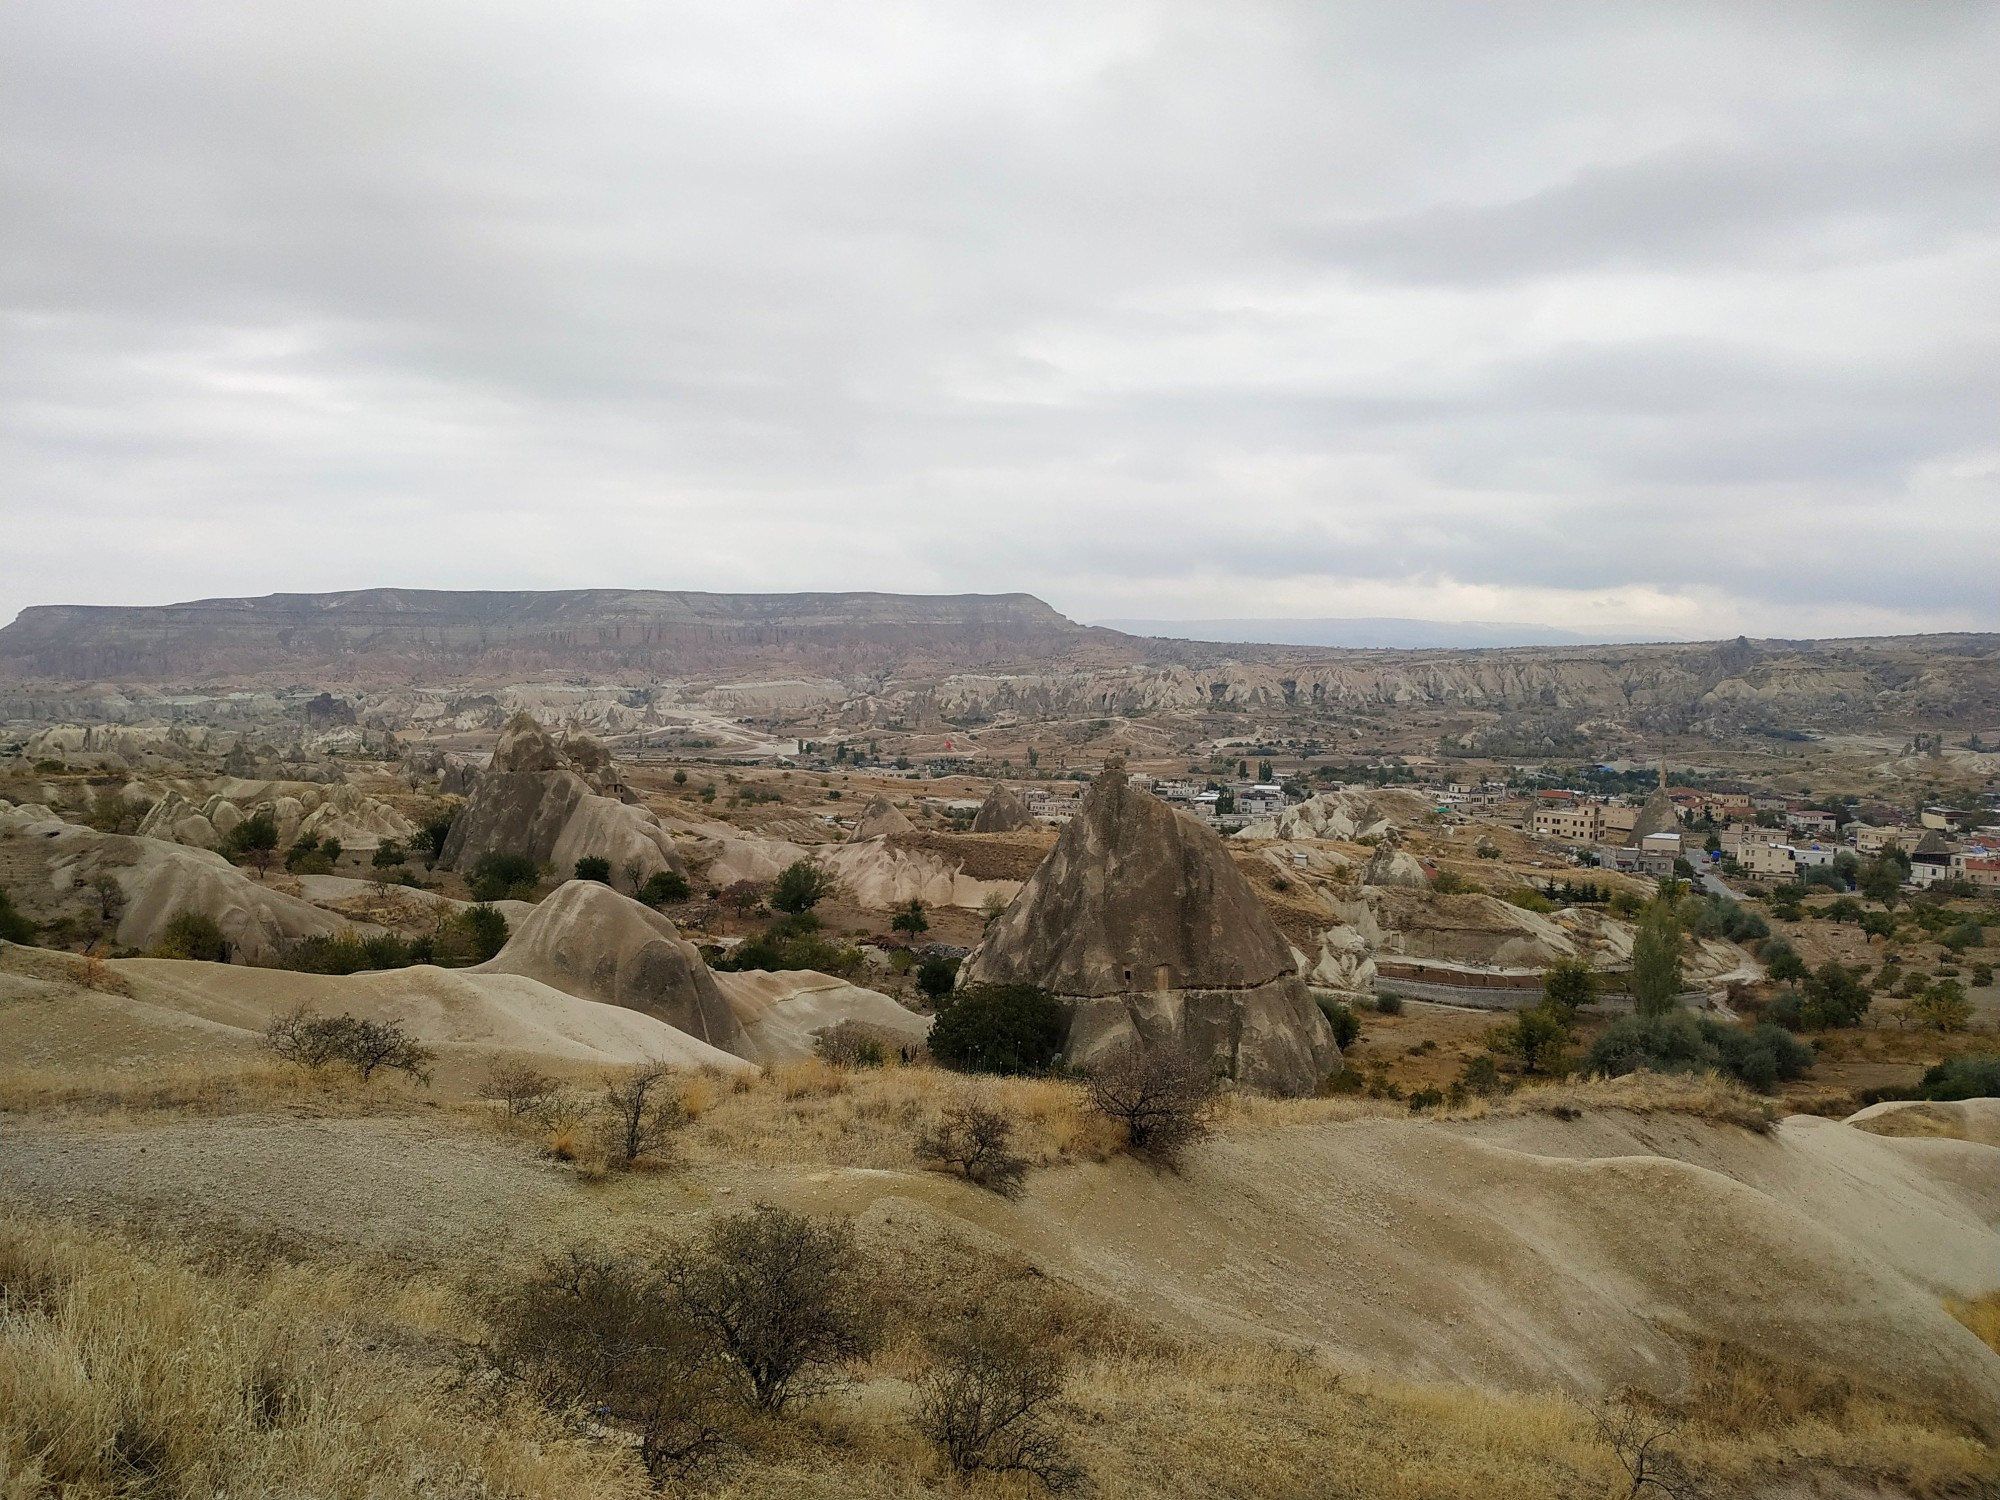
1982,1316
1705,1096
124,1370
224,1087
123,1375
808,1113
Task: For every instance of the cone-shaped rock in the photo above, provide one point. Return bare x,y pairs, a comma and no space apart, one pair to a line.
589,941
1393,865
1657,816
531,801
881,817
1002,812
1142,926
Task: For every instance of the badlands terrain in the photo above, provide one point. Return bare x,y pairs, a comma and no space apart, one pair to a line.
782,858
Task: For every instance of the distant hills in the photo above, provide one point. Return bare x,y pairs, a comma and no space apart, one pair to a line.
1371,633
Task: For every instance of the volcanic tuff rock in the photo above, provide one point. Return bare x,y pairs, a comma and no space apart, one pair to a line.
881,817
589,941
1002,812
1140,923
1393,865
532,801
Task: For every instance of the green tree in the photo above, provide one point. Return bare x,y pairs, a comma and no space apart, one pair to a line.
432,831
253,841
1782,961
14,928
1656,960
593,867
801,886
1942,1005
1833,997
680,778
1538,1036
1264,771
999,1028
1568,985
936,975
389,854
911,919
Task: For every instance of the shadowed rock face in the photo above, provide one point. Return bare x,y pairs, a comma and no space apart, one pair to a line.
1142,925
1002,812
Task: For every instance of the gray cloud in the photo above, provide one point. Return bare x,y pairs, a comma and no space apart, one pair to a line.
1657,318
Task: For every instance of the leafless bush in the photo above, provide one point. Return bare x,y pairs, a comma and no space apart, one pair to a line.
313,1041
1638,1437
990,1396
639,1120
785,1299
976,1141
517,1087
1163,1095
598,1337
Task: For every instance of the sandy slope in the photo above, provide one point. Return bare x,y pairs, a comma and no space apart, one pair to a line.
184,1009
781,1012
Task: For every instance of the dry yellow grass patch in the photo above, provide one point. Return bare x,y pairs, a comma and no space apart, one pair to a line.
223,1087
1705,1096
1982,1316
811,1114
123,1375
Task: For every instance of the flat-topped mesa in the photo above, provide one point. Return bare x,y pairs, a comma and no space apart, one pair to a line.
1140,923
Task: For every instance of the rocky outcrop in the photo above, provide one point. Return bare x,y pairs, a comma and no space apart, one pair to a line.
589,941
1394,867
881,817
1002,812
1330,815
531,800
784,1012
1140,923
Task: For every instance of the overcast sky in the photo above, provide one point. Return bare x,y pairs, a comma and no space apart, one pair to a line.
1678,319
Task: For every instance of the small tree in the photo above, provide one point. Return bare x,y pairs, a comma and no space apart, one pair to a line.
1163,1095
498,877
369,1045
1782,961
1538,1036
680,778
911,919
639,1119
1568,985
975,1141
992,908
1656,960
1833,997
1942,1005
784,1298
432,831
389,854
801,886
989,1396
254,841
591,867
517,1088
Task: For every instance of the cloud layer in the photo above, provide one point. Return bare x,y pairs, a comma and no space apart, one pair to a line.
1635,319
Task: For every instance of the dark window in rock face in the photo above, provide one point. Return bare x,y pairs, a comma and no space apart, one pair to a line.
1128,977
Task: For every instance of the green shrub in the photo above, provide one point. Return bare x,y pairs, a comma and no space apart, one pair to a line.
14,928
1530,900
500,877
1451,883
1720,917
1964,935
999,1028
253,841
388,855
592,867
911,919
1538,1036
936,975
193,935
1681,1042
309,857
1341,1017
315,1040
663,887
792,942
484,931
1389,1004
1982,975
1962,1078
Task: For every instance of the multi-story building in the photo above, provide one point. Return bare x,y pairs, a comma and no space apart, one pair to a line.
1763,858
